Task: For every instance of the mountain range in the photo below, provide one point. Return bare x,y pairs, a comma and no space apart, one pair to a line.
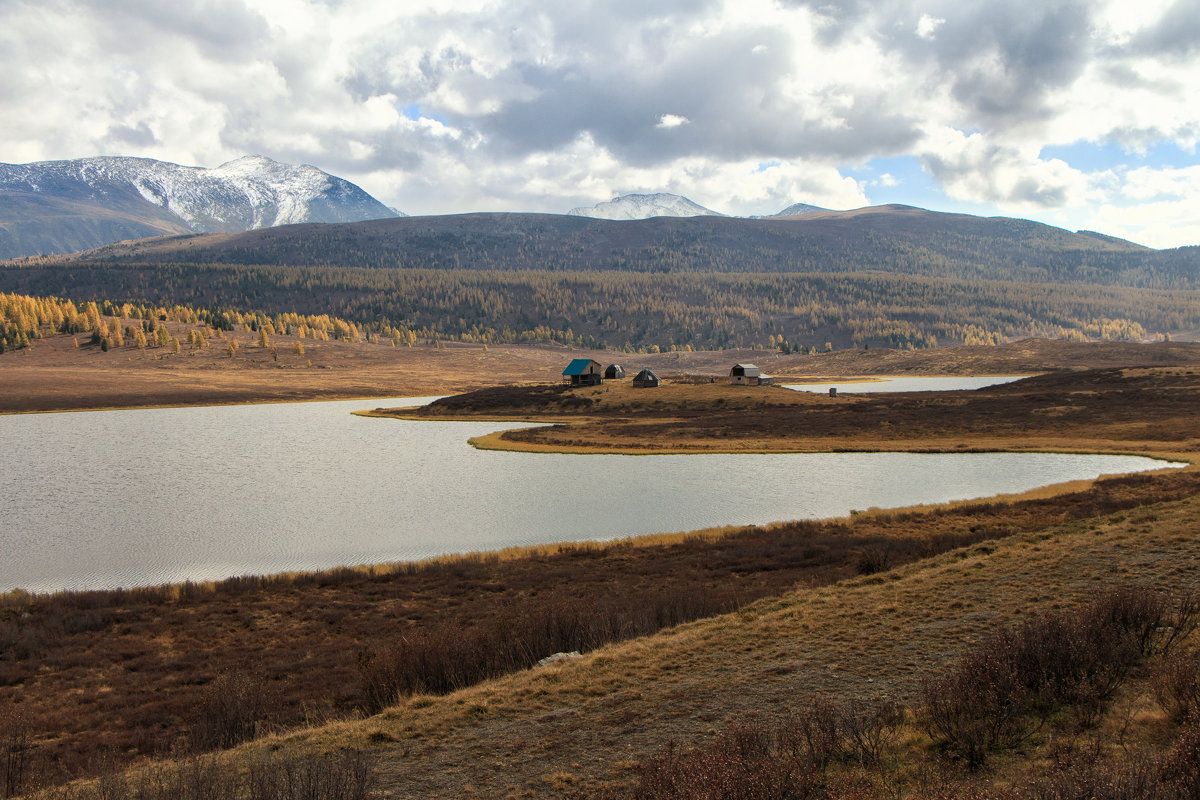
644,206
255,211
893,238
66,206
56,207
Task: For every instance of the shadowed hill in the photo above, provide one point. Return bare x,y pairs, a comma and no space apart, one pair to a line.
897,239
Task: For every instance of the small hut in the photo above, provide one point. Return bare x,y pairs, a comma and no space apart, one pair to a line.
613,372
583,372
645,380
748,375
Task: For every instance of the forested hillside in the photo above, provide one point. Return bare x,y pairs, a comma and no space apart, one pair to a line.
637,310
894,239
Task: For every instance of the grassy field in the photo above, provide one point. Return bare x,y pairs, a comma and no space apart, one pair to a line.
583,726
684,637
55,374
1137,409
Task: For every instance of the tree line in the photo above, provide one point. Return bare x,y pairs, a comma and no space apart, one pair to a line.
622,310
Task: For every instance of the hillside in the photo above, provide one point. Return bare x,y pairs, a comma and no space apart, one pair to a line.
895,239
65,206
643,311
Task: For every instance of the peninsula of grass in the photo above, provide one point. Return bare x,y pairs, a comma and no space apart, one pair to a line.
1148,410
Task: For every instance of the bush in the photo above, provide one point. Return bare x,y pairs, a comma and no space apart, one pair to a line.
1066,658
14,752
739,765
346,776
1176,684
979,704
444,658
233,709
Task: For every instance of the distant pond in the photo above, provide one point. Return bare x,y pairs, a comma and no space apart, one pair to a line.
906,384
140,497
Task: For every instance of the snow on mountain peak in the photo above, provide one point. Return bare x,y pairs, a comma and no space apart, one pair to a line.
249,192
644,206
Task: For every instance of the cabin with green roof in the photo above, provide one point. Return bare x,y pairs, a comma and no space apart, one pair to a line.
584,372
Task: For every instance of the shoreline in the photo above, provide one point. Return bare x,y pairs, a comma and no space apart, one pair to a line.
1170,463
176,589
220,404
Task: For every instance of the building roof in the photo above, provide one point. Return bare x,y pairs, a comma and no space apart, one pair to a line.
645,375
579,366
749,370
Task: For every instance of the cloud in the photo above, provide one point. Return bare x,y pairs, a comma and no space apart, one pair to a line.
671,121
972,168
927,26
458,105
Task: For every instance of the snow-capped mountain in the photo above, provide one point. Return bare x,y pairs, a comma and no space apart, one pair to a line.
797,209
62,206
644,206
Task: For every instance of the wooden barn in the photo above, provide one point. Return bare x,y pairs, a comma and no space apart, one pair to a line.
584,372
748,375
645,380
614,372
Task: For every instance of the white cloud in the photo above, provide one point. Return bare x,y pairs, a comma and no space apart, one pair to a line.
971,168
927,26
441,107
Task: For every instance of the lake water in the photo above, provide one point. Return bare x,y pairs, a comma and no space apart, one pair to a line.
906,384
140,497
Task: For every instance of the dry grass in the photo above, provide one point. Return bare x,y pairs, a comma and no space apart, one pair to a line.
142,671
55,375
867,637
1113,411
593,719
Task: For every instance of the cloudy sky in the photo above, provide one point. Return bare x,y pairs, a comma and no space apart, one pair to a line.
1080,114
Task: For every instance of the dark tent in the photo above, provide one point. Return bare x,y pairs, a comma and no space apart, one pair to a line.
645,379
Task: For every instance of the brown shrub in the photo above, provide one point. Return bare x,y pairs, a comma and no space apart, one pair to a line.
14,752
1073,658
346,776
1176,684
234,708
738,765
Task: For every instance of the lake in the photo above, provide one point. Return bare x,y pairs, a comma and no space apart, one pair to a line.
907,384
140,497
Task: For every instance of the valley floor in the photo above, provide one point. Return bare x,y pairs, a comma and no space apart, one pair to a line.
892,610
57,375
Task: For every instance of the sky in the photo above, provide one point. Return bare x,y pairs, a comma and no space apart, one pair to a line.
1084,115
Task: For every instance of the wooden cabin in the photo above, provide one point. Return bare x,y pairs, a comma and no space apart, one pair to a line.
584,372
614,372
645,380
748,375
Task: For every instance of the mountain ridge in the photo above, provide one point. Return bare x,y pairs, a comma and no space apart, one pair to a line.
644,206
69,205
895,239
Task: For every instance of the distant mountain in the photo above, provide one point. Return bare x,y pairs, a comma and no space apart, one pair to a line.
644,206
65,206
798,209
894,239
